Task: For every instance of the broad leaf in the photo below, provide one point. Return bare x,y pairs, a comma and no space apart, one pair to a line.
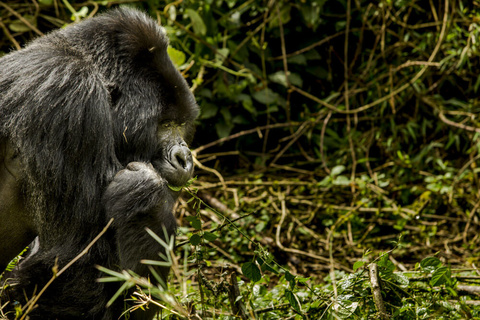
251,271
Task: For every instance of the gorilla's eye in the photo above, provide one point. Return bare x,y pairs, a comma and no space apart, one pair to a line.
172,124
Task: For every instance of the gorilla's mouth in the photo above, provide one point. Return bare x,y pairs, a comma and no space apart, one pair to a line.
177,172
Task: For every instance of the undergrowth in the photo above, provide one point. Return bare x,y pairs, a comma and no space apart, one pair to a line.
206,286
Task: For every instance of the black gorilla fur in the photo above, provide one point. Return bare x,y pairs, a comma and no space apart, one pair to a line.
94,123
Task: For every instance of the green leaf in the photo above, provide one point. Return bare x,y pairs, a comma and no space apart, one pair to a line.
209,236
477,84
311,13
260,261
284,15
293,300
195,240
265,96
357,265
223,129
295,79
197,22
430,264
19,26
348,281
197,224
386,266
325,182
303,280
298,59
227,115
291,279
345,306
194,222
175,188
382,262
14,262
341,181
441,276
239,119
190,182
266,267
178,57
268,257
280,78
340,25
337,170
208,110
251,271
221,55
121,290
247,103
289,276
401,279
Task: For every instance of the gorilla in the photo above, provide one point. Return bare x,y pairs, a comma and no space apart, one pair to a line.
95,122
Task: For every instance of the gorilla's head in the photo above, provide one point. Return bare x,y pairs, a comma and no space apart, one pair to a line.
152,107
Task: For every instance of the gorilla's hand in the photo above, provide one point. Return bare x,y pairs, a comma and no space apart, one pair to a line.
136,189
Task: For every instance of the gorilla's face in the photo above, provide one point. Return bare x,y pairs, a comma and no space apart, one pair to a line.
161,132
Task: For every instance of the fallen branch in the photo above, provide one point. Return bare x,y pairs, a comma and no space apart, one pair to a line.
377,292
236,302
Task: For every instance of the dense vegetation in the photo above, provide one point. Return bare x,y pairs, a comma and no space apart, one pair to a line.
337,155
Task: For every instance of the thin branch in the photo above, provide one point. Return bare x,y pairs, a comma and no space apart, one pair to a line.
442,116
19,16
242,133
347,98
9,35
322,138
215,172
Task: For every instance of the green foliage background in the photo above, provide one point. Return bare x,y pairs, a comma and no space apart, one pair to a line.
344,125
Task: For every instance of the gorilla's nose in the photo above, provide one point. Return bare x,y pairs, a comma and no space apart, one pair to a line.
181,160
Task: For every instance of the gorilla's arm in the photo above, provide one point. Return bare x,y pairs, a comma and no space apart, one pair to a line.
137,198
55,112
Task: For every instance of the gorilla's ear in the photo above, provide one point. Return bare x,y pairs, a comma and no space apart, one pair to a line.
11,160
